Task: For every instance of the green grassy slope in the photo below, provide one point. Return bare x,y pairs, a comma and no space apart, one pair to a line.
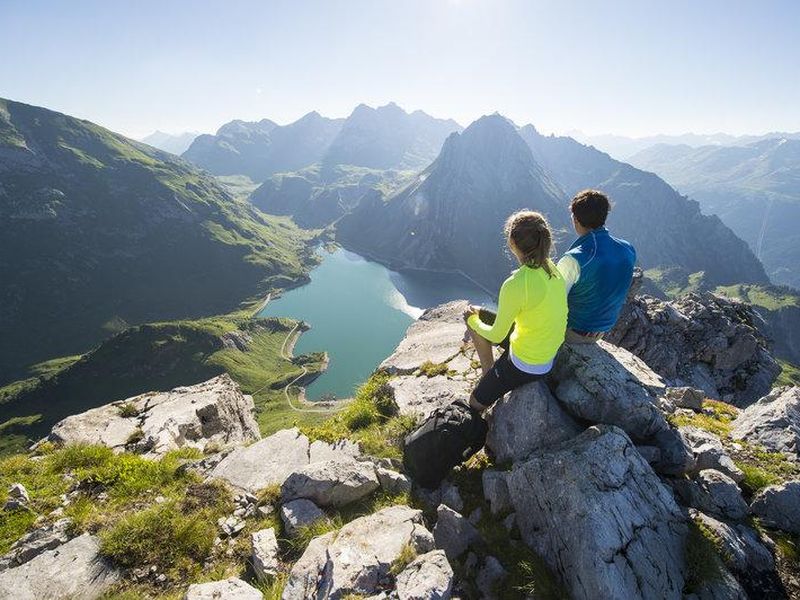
157,356
98,231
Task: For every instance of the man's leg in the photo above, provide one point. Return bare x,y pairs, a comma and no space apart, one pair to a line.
484,349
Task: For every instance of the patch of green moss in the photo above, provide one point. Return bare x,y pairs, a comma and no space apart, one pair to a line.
702,559
762,467
716,417
431,369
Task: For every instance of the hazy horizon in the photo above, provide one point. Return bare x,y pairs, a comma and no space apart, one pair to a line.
631,68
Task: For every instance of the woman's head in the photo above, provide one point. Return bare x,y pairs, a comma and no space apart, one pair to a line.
530,239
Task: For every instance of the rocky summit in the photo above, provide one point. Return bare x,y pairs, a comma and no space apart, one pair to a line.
606,479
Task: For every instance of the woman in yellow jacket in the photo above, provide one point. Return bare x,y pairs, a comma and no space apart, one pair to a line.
531,315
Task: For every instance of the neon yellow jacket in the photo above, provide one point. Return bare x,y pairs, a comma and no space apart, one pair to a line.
537,305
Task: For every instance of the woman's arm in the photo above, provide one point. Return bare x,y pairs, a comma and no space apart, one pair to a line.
509,304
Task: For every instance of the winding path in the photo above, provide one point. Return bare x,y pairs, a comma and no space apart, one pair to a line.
285,355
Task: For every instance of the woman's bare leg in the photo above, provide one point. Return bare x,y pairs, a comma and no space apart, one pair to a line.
484,349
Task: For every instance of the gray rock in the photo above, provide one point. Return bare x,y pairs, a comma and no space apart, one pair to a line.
393,482
510,522
700,340
779,506
357,559
772,422
489,578
331,483
452,497
17,497
527,419
265,553
495,490
600,517
709,453
298,514
725,587
602,383
742,549
211,414
35,542
713,492
271,460
453,533
686,397
227,589
475,516
419,396
436,337
73,571
427,577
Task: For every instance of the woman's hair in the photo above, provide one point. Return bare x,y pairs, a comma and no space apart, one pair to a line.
531,235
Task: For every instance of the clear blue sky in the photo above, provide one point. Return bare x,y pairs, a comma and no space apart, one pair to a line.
630,67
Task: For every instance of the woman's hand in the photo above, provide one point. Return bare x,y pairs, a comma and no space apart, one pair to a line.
469,311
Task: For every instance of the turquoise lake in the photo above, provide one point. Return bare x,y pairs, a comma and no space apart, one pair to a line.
358,311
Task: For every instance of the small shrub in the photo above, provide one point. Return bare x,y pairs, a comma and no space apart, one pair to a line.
136,436
269,495
431,369
128,410
405,558
272,588
304,535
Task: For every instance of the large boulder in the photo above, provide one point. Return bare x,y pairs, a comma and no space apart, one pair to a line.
227,589
334,482
74,570
779,506
420,395
527,419
742,549
772,422
602,383
356,560
271,460
713,492
436,337
700,340
211,414
427,577
601,518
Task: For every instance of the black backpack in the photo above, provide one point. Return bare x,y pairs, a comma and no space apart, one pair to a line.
448,437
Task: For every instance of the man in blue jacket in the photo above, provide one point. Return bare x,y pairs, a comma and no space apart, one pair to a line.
597,269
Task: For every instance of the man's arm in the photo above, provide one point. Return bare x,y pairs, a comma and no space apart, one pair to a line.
570,270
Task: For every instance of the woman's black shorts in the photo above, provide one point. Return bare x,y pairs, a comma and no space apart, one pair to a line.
503,376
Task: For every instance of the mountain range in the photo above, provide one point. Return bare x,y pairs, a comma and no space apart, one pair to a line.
168,142
98,231
623,147
378,138
755,190
452,214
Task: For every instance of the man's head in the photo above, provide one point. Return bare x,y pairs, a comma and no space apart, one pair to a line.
589,210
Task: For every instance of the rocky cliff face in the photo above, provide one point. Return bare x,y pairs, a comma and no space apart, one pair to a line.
700,340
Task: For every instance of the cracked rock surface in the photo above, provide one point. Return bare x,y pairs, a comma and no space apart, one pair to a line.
773,422
610,529
357,558
700,340
214,413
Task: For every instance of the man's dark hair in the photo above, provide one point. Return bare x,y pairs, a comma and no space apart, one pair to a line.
590,208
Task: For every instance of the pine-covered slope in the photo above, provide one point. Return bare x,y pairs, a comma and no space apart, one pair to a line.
98,231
